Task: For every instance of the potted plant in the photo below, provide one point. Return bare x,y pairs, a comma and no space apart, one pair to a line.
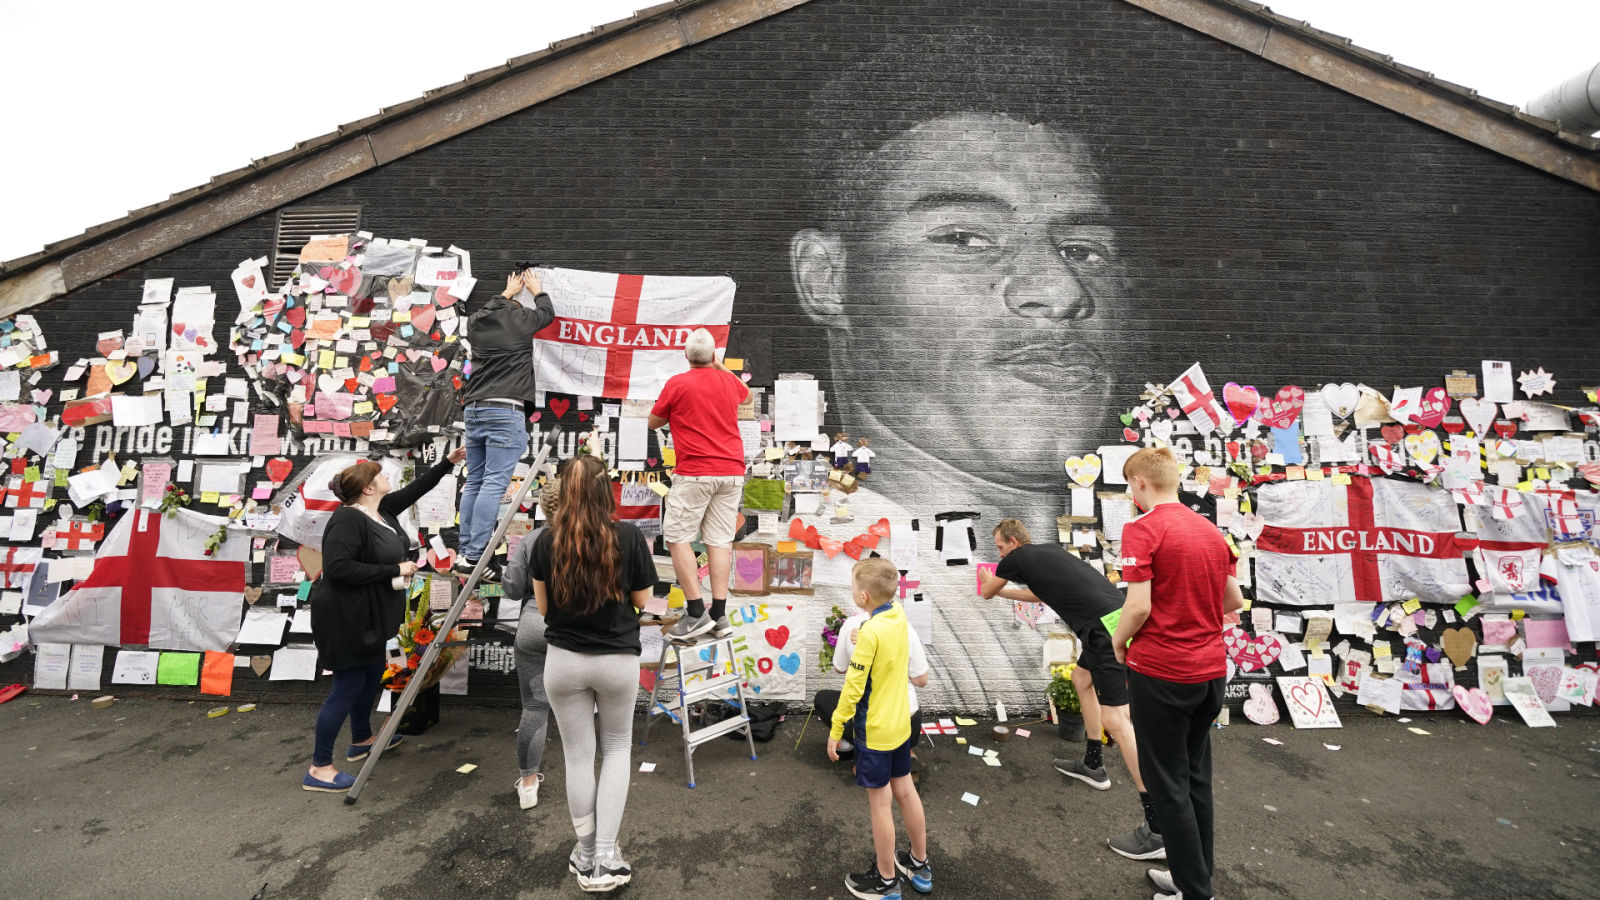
1064,706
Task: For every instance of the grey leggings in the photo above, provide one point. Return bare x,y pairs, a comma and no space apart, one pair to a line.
575,684
535,724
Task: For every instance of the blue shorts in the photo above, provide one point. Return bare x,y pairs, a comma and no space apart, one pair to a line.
874,768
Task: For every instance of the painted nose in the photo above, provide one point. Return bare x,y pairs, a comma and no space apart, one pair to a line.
1041,286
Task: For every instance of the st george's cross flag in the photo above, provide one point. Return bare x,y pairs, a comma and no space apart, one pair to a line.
152,584
1197,401
1373,540
622,336
309,503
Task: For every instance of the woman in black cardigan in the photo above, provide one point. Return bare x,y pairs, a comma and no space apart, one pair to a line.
358,606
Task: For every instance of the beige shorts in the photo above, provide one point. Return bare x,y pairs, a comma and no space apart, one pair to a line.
703,505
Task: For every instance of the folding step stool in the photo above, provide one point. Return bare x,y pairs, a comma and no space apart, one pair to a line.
724,688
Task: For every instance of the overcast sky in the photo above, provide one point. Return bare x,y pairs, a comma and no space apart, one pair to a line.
115,105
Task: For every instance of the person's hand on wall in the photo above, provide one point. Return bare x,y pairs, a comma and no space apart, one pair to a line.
514,285
530,280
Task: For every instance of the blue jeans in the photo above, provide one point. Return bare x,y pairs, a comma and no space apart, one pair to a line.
497,436
350,697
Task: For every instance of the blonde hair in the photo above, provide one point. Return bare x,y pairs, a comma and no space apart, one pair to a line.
1156,465
877,576
1011,529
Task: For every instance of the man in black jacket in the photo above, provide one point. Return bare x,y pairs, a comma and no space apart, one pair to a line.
499,390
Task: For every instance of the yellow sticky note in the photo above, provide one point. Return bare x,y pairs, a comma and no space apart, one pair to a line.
734,364
362,408
1380,650
325,359
1517,614
1295,473
401,315
786,546
1313,474
961,721
1542,473
359,322
659,488
293,359
842,512
209,497
1411,606
1340,478
774,453
669,457
467,769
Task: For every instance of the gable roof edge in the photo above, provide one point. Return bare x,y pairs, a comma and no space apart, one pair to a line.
1411,92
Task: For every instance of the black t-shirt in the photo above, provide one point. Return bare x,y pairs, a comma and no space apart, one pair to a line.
1066,584
614,628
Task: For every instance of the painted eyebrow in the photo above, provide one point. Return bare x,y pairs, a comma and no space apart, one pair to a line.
940,199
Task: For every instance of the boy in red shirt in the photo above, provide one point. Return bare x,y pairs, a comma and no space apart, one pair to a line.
702,406
1180,575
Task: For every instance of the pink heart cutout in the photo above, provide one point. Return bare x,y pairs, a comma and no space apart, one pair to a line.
1474,702
438,362
1241,400
1251,654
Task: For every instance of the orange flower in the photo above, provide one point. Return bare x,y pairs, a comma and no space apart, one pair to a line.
414,661
424,636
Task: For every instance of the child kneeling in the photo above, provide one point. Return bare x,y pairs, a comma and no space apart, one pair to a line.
875,698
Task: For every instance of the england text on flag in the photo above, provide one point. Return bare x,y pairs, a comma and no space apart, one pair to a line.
1374,540
153,584
622,336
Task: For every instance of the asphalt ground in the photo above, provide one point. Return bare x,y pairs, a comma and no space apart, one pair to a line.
150,798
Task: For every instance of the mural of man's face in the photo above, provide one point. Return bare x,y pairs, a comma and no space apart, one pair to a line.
968,300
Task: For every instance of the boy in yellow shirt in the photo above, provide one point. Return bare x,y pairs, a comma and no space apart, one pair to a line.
875,696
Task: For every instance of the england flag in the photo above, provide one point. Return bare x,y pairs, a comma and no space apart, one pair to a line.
622,336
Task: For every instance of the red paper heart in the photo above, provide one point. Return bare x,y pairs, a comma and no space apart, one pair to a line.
1393,434
296,316
1505,429
297,338
1453,425
422,319
1251,654
1284,407
1258,449
366,364
797,529
879,528
248,281
779,636
1128,434
345,281
350,385
812,539
1242,400
1431,411
559,406
278,469
583,417
830,547
853,548
536,416
386,402
868,540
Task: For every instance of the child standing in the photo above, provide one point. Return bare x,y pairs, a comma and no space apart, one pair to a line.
875,696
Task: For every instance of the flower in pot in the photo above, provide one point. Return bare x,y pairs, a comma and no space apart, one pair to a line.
1064,706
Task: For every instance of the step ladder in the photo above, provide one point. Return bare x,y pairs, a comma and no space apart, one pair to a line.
730,689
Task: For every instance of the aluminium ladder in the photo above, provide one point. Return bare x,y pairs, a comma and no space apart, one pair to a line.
701,656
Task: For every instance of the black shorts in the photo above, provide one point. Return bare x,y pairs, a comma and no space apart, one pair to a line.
1110,677
874,768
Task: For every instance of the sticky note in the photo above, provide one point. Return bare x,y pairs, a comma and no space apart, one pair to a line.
991,761
178,669
974,751
970,798
647,767
962,721
1411,606
961,740
1023,732
1466,605
469,767
216,676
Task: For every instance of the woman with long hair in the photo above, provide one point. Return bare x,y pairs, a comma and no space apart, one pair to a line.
358,604
590,577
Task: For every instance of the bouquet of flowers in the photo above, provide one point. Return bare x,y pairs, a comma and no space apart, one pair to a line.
420,629
1063,695
830,636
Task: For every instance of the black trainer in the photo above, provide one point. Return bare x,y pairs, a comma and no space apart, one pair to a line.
869,885
919,874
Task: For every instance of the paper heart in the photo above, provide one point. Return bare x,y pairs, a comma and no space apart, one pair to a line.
422,319
296,316
1258,449
310,561
583,417
536,416
1254,523
1172,412
748,568
365,365
438,362
1261,708
1162,429
1142,414
866,539
278,469
120,371
251,595
1128,434
853,548
1546,680
1431,411
1084,470
1393,433
1590,472
831,547
1459,645
1341,399
779,636
559,406
1241,400
260,664
1505,428
789,663
147,366
744,377
1474,702
1453,425
344,281
108,346
1309,696
1251,653
297,338
879,528
1127,418
400,287
328,384
350,385
1423,447
248,281
1284,407
386,402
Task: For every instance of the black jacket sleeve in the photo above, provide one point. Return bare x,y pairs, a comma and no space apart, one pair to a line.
397,502
532,320
341,552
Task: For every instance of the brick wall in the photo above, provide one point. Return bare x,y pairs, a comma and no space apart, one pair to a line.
1271,227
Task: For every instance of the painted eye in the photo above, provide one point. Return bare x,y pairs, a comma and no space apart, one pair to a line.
963,240
1083,252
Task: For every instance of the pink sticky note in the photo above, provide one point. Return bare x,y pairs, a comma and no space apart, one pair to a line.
1499,632
384,385
261,493
1547,633
984,569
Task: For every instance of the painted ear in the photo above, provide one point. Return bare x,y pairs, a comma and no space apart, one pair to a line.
816,259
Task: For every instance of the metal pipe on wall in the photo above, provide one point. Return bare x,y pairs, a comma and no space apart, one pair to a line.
1575,102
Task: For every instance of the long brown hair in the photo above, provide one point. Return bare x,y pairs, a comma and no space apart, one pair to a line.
585,563
352,482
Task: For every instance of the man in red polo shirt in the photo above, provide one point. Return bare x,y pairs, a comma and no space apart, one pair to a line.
702,407
1180,575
